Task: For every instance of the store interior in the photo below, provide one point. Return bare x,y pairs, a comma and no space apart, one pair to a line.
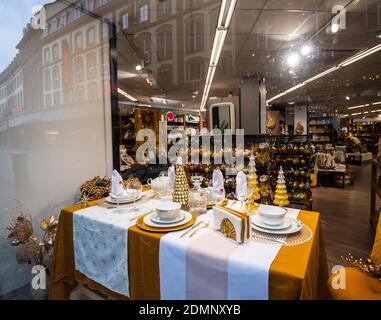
298,80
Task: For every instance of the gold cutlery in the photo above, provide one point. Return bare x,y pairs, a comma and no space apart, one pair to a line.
205,225
192,228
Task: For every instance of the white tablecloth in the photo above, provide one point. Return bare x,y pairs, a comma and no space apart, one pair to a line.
209,266
100,239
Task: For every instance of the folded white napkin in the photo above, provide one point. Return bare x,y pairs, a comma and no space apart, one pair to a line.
117,188
171,176
241,185
217,182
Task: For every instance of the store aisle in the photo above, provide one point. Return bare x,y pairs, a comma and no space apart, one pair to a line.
345,216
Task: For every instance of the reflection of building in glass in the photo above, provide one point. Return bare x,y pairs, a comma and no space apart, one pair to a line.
63,64
11,89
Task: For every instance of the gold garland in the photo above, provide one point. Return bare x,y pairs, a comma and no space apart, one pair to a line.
367,265
96,188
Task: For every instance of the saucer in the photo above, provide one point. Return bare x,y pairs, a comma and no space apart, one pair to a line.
149,222
112,200
156,218
293,228
260,223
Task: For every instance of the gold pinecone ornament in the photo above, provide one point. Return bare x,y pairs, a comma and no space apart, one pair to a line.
281,196
181,188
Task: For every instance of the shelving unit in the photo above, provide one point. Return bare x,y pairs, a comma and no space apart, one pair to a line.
183,122
296,161
320,128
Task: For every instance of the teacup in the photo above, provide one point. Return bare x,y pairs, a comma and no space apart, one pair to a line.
167,210
270,215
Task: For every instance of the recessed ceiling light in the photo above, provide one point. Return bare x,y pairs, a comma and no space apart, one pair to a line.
378,35
334,28
293,59
306,50
348,98
138,67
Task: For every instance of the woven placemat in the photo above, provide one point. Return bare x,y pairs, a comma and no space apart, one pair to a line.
300,237
303,236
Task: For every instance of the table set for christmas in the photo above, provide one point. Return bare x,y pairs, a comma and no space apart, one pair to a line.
167,240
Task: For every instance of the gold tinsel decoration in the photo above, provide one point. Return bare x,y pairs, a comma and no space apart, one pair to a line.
227,229
181,188
96,188
129,181
365,265
20,228
21,233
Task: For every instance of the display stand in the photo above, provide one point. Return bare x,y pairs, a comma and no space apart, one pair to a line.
326,176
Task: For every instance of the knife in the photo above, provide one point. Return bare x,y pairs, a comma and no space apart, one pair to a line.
192,228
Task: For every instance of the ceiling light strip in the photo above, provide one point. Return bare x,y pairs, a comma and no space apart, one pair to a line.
350,60
224,20
128,96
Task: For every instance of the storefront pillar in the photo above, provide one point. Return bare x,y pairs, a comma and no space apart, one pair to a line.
252,109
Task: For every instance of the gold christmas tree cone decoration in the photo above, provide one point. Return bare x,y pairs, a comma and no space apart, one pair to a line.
252,186
181,188
281,196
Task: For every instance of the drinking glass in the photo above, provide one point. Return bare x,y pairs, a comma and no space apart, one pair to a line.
242,198
135,185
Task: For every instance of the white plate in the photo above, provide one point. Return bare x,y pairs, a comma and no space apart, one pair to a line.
156,219
258,222
295,227
109,199
148,221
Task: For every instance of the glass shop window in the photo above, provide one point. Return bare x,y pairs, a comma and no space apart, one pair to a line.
78,41
55,52
143,13
144,42
195,34
90,5
125,20
56,77
165,77
92,91
46,56
56,98
164,43
47,80
48,100
80,94
90,36
91,65
164,7
195,70
78,63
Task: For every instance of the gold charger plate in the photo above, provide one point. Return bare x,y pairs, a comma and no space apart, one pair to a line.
140,223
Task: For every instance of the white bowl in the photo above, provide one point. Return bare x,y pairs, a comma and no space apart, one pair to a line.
168,210
271,215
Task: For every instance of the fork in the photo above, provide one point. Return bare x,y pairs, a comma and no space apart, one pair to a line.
203,225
